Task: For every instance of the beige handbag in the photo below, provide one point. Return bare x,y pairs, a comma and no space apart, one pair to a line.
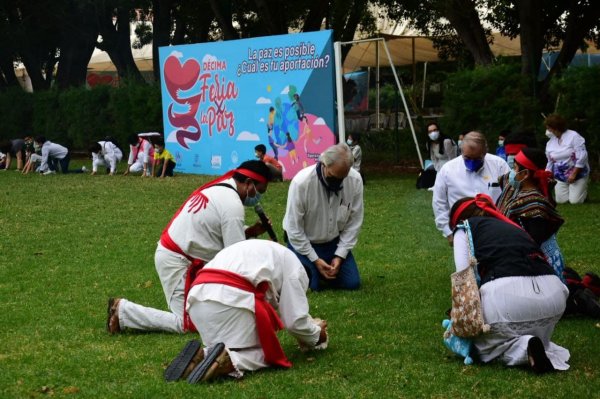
466,315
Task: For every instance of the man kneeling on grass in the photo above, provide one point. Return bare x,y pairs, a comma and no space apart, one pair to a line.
232,304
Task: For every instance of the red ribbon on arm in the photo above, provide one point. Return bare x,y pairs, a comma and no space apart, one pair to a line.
267,319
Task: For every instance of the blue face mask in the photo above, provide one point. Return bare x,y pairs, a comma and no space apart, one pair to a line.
473,165
510,160
251,201
516,184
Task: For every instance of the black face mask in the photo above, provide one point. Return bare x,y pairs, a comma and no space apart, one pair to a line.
331,183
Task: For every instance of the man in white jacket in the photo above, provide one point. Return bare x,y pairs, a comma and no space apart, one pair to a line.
105,153
233,301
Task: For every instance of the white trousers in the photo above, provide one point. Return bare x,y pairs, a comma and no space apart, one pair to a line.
138,166
518,308
235,327
171,269
574,193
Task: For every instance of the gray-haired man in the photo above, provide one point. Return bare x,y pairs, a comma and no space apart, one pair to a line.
323,217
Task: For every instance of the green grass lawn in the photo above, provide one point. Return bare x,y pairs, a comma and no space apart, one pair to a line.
70,242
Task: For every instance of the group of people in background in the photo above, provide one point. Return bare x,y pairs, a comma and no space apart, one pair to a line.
500,209
147,154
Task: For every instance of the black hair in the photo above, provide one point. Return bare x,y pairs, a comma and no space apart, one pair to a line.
95,147
40,139
261,148
258,167
158,141
535,155
470,211
526,137
132,139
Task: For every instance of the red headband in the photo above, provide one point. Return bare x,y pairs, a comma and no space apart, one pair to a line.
542,176
481,203
251,174
512,149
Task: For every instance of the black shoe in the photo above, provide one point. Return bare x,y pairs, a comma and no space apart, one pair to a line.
536,353
200,373
192,352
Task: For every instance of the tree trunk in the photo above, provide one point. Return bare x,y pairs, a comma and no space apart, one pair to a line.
579,25
272,16
463,17
7,71
316,13
120,52
531,36
161,28
77,45
224,18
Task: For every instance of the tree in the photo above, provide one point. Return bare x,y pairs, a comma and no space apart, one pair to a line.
77,42
113,21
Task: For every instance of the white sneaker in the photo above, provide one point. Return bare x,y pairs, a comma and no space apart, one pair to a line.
84,169
49,172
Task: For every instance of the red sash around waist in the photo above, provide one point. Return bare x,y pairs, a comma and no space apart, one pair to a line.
267,320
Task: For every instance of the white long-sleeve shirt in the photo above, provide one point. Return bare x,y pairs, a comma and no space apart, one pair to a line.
203,233
109,155
566,153
439,160
454,182
314,216
51,150
258,261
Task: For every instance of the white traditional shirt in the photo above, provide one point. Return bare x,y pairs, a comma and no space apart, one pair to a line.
51,150
315,216
567,153
258,261
454,181
109,155
203,233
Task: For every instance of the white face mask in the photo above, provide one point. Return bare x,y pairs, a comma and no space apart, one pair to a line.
549,134
349,142
500,143
434,135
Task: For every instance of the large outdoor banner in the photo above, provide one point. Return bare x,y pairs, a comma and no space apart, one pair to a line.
221,99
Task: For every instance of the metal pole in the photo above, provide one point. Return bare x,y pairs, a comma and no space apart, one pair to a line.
377,85
339,86
424,78
412,128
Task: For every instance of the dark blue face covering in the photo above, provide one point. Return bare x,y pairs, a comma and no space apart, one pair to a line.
332,184
473,164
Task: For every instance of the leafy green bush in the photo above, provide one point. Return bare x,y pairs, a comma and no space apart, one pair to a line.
77,116
578,101
16,108
488,99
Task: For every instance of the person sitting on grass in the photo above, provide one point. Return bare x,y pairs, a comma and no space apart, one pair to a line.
164,162
233,301
521,297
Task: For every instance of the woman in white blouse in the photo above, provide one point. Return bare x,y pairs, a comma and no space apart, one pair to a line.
567,160
441,147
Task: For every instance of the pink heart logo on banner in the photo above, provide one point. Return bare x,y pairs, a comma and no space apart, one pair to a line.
181,76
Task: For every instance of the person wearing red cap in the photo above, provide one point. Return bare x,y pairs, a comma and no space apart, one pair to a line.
211,219
233,301
521,297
